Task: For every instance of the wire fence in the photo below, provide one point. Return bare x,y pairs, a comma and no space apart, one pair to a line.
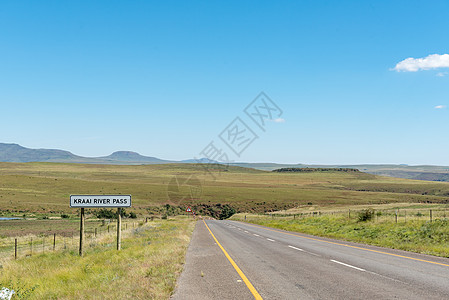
398,215
26,246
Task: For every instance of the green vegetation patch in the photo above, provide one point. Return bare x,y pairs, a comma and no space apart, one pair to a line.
421,236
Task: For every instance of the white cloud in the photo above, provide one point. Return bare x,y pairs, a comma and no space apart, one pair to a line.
440,106
441,74
279,120
433,61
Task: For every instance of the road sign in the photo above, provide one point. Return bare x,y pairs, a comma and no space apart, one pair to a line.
83,201
100,201
188,209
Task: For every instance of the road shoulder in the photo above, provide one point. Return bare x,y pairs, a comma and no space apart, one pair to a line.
207,272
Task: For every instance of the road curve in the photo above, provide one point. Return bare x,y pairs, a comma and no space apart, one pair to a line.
287,265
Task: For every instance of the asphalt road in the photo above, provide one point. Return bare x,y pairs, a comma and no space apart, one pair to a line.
280,264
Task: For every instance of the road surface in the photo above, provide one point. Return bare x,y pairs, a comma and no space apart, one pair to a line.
235,260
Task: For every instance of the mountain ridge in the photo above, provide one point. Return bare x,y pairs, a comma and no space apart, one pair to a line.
11,152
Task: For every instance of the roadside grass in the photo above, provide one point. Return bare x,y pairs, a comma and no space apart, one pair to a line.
38,236
421,236
147,267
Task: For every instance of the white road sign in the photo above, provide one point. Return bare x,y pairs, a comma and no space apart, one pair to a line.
100,201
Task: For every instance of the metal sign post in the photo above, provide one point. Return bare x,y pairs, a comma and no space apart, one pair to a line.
81,231
100,201
119,228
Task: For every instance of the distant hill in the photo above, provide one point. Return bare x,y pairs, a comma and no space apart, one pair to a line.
17,153
424,172
130,157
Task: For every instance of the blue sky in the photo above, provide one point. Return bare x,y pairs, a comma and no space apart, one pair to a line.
164,78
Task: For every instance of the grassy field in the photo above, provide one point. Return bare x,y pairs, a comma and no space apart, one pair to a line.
147,267
399,226
44,188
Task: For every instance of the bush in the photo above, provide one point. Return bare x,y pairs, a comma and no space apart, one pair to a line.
132,215
64,216
164,217
217,211
110,214
106,214
366,215
226,212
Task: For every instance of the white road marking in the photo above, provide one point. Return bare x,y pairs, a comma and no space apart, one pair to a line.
271,240
246,231
299,249
339,262
239,228
295,248
387,277
256,234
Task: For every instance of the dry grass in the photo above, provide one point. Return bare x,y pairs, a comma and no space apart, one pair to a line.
146,268
44,188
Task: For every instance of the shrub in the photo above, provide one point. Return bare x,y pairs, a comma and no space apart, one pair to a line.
226,212
366,215
64,216
106,214
132,215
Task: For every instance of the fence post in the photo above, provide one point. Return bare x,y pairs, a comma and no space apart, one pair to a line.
43,244
349,214
15,249
31,247
95,232
396,215
54,241
108,228
430,215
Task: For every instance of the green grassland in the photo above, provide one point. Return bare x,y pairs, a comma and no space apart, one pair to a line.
414,232
147,267
44,188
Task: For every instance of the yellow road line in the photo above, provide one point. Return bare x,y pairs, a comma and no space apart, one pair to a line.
245,280
350,246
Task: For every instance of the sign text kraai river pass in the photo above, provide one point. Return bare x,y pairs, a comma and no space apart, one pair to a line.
100,201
